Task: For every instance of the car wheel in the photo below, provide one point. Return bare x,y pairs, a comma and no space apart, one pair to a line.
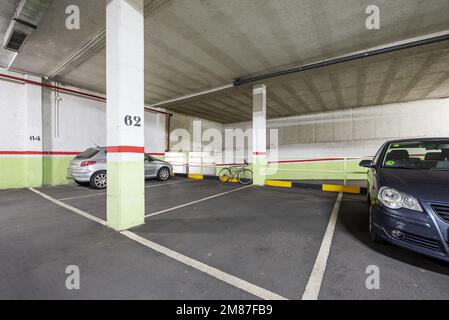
99,180
163,174
372,231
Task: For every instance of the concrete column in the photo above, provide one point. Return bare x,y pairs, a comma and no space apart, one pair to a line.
125,113
33,134
259,134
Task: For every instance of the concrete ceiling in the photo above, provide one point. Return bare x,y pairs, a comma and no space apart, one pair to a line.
409,75
196,45
7,9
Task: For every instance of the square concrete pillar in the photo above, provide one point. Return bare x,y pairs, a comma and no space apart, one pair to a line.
125,113
259,134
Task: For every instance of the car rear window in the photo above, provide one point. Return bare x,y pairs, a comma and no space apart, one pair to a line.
89,153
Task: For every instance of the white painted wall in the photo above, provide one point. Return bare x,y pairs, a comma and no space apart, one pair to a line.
74,123
69,122
185,122
356,132
13,117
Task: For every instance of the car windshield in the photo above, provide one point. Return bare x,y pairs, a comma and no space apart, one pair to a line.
89,153
418,155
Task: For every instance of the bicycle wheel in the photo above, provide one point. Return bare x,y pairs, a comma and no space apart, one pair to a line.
224,175
245,176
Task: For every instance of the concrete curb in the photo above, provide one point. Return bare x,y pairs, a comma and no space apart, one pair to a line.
290,184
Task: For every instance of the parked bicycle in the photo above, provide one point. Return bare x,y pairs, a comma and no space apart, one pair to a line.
241,173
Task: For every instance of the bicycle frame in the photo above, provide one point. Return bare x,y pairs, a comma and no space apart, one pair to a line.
235,170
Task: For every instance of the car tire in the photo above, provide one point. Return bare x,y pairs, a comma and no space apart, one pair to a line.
163,174
372,231
99,180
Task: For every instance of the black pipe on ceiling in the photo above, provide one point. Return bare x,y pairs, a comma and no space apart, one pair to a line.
330,62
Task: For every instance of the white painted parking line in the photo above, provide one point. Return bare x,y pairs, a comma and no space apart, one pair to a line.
148,186
316,277
169,183
68,207
194,202
214,272
85,196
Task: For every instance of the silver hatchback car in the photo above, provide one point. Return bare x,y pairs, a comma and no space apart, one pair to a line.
89,167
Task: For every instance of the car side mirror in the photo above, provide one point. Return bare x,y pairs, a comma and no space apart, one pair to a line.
367,164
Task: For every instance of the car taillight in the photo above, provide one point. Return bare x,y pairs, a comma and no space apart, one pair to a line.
87,163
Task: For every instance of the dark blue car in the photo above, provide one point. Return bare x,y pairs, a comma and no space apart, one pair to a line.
408,193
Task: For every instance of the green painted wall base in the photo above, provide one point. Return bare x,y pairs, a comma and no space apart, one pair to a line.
288,172
55,170
13,173
20,172
25,172
126,194
259,170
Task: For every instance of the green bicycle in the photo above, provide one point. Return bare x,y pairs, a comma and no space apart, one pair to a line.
239,173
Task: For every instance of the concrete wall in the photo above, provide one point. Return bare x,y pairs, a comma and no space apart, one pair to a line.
65,124
13,121
185,122
312,146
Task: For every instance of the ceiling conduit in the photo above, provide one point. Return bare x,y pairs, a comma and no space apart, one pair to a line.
351,57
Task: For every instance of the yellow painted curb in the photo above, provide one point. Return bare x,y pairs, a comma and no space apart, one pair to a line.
339,188
195,176
275,183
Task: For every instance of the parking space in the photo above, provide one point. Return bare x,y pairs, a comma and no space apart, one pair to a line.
158,195
306,121
40,239
266,236
403,274
272,243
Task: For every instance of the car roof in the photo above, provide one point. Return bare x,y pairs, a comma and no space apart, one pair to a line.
418,139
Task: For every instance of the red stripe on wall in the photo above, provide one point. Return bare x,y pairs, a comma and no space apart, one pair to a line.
259,153
65,153
309,160
69,153
125,149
